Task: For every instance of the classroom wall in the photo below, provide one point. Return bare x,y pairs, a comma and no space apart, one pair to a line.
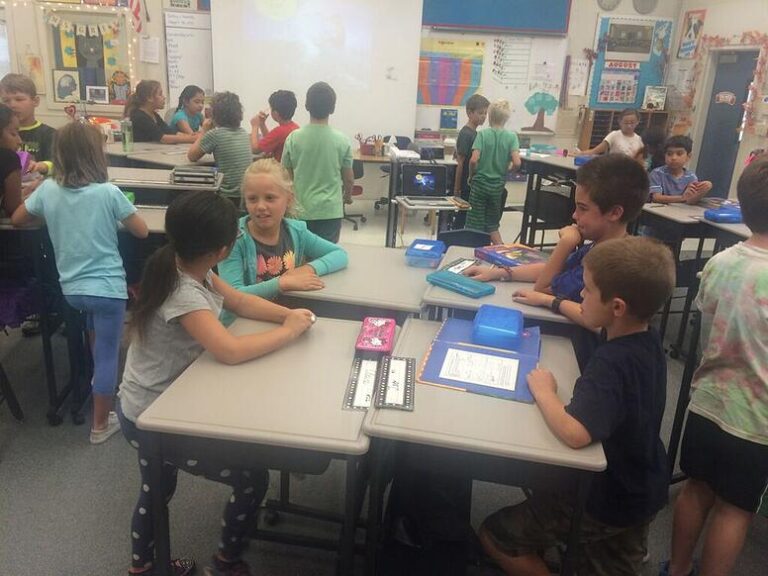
585,15
729,19
25,37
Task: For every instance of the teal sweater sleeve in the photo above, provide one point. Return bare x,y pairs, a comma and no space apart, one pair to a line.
324,256
234,270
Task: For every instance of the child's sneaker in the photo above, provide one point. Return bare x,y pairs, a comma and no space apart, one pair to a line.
221,568
180,567
100,436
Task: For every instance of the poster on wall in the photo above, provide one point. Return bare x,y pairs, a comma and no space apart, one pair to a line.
32,67
449,71
693,25
620,82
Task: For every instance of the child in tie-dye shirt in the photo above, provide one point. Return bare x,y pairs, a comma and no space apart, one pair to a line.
725,446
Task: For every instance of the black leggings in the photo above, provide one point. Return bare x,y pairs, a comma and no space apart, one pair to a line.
248,489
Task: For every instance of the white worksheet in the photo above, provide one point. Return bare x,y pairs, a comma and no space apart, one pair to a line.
481,369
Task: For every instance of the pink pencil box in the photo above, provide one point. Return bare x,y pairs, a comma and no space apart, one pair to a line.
377,336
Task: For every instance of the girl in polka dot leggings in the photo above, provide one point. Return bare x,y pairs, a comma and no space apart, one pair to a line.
175,319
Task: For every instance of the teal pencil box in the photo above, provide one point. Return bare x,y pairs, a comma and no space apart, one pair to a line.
461,284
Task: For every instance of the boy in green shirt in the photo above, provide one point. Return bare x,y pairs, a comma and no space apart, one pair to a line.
319,160
494,152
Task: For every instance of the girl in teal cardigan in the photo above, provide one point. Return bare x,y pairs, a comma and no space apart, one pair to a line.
272,253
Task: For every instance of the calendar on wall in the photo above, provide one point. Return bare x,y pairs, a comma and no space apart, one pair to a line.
618,84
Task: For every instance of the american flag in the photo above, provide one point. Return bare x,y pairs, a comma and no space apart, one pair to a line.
135,7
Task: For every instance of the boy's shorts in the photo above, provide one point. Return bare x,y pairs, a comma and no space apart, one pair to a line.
735,469
544,520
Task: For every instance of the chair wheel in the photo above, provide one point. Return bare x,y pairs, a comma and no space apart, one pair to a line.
271,517
363,219
376,206
354,227
674,353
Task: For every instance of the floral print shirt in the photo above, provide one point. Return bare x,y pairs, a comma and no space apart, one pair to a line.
272,261
731,384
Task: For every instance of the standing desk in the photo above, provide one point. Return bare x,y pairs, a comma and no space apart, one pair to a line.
488,438
673,223
547,175
439,299
154,186
282,411
728,234
376,282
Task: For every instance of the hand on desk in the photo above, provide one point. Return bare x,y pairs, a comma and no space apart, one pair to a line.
303,279
485,273
541,381
298,321
533,298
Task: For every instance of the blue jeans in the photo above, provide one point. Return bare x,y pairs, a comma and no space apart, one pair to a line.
105,318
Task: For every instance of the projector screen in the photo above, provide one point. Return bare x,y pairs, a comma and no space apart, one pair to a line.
367,50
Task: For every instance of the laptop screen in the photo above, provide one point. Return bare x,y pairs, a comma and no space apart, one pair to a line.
424,180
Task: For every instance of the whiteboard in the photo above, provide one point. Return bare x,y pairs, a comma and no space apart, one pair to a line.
367,50
188,52
514,67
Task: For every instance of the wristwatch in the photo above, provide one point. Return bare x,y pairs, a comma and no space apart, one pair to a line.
555,305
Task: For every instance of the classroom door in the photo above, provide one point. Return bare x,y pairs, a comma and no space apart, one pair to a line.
722,133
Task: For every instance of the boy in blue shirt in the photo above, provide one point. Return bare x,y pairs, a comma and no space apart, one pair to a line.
673,182
619,401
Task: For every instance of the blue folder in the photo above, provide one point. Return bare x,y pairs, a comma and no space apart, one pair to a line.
457,334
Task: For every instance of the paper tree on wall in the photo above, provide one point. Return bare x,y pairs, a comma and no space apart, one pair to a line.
539,104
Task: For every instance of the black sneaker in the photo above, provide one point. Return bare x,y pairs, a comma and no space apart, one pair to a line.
31,326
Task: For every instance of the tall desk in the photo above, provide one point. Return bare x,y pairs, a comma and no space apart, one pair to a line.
549,194
674,223
728,234
440,299
377,281
491,439
281,411
395,188
153,155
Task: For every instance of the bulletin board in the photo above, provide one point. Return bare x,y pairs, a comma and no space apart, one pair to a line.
632,53
506,16
525,70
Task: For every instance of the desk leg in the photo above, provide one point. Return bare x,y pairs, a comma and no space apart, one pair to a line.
375,504
347,544
527,206
159,516
571,552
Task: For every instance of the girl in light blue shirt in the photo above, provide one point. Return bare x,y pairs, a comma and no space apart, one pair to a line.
82,211
189,113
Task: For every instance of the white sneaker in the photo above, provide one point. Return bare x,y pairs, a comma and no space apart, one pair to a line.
100,436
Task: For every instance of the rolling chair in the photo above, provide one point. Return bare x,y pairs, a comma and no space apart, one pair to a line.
357,190
402,142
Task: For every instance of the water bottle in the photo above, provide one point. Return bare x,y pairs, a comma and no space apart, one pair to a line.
126,126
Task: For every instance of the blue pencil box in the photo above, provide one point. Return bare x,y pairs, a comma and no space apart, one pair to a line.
724,214
461,284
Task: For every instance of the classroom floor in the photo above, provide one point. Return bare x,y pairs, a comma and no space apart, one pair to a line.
65,505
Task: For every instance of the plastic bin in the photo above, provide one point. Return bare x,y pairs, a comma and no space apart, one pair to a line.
498,327
425,253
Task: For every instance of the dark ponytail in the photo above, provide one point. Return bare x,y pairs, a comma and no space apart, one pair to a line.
196,224
187,94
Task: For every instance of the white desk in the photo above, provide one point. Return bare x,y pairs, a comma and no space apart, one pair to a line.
171,156
482,437
283,411
679,212
728,234
116,149
443,298
376,279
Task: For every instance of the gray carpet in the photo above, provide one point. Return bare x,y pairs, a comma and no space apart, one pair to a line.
65,505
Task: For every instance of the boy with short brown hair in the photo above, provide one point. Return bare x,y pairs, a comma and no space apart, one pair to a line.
20,95
619,401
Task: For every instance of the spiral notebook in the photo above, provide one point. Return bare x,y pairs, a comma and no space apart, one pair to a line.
452,361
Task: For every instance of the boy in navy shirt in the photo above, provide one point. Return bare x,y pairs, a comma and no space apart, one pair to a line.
477,110
619,401
673,182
